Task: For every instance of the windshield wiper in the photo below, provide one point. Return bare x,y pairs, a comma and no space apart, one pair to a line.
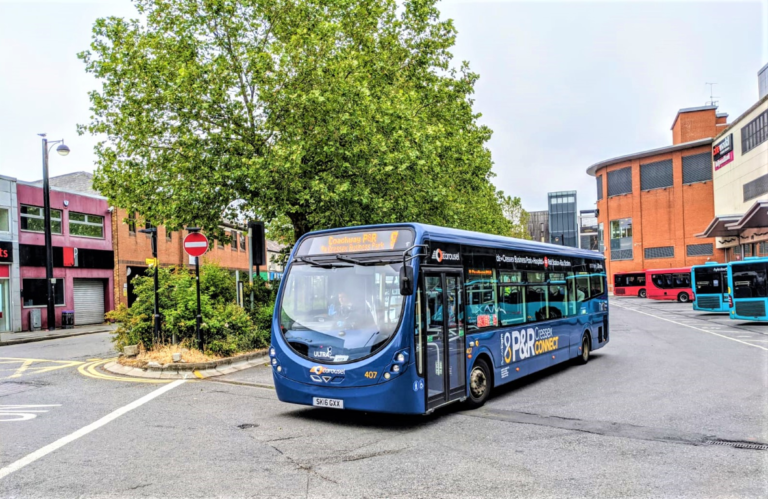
304,259
362,262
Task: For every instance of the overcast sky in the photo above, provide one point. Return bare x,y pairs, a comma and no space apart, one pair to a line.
562,84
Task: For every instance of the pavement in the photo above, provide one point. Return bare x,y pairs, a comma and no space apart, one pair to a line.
650,415
44,335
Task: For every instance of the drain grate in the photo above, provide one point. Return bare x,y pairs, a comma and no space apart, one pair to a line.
739,444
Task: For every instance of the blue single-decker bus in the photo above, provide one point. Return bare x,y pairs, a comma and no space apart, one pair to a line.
748,288
710,287
405,318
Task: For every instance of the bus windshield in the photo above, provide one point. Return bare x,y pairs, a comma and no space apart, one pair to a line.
340,313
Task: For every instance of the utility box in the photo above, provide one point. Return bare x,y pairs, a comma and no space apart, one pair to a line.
35,320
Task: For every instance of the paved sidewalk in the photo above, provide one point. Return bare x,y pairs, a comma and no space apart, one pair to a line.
31,336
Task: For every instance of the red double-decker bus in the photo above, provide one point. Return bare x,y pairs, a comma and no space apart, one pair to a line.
669,284
629,284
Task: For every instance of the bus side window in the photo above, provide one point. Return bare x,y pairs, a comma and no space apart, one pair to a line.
511,305
596,288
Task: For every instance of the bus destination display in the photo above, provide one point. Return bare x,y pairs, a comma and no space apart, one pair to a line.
357,242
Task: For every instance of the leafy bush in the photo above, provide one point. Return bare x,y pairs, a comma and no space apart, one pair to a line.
227,328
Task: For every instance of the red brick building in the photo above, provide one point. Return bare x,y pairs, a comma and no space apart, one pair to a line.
651,204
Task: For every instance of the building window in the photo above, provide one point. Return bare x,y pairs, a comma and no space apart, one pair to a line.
33,219
35,292
697,168
599,187
621,239
147,226
233,236
656,175
242,241
601,237
620,182
755,188
132,224
84,225
660,252
754,133
168,235
5,220
746,250
700,249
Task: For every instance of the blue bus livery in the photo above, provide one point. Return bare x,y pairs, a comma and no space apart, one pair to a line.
405,318
710,287
748,288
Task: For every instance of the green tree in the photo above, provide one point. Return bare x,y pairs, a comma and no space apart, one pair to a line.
321,114
516,215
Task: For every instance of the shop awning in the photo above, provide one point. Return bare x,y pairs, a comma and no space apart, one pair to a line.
756,216
719,227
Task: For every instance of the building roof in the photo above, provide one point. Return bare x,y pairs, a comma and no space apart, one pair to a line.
742,116
718,227
690,110
592,170
73,182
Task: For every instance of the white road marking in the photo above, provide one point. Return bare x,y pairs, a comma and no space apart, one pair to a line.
31,458
696,328
12,413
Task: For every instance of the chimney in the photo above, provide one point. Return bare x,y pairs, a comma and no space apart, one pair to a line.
695,123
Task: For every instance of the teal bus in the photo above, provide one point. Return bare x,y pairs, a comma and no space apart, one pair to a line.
748,288
406,318
710,287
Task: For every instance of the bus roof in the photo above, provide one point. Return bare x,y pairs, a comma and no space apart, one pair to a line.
458,236
749,259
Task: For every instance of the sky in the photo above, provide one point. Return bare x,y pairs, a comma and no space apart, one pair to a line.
563,85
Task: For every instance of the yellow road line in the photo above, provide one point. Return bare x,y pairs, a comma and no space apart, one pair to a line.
90,371
27,366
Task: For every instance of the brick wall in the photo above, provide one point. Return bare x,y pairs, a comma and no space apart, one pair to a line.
660,217
135,249
695,125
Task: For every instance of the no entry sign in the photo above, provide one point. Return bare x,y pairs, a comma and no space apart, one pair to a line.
195,244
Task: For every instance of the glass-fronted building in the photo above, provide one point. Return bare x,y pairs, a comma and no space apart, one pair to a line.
589,235
563,223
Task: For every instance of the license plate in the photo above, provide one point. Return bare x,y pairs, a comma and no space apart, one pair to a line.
330,403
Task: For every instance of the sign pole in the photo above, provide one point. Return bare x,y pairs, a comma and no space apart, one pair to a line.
196,244
199,317
250,263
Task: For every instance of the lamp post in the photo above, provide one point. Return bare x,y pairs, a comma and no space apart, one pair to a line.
152,231
63,150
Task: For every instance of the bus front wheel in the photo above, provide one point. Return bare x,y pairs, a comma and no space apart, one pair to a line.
642,293
479,384
583,357
683,298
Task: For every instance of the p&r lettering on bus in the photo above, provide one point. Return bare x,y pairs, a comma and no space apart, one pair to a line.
519,345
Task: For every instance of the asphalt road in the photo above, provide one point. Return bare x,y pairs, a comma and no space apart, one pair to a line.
646,417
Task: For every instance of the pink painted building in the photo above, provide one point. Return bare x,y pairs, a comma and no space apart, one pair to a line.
83,260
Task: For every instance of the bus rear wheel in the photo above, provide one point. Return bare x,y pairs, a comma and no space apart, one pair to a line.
642,293
479,384
683,298
583,357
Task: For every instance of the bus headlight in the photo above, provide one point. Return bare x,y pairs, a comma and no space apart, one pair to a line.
400,357
396,368
387,375
274,362
272,351
279,368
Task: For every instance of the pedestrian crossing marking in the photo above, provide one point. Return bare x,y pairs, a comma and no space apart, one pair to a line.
25,367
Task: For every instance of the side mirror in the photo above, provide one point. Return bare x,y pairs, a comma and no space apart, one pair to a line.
406,280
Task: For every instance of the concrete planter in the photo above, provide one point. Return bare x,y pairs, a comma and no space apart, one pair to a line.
199,370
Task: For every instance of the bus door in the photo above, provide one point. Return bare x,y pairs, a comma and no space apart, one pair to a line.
444,342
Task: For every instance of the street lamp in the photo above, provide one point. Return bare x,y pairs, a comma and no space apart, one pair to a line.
63,150
152,231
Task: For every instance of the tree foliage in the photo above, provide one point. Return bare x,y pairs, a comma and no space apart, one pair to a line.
316,114
518,218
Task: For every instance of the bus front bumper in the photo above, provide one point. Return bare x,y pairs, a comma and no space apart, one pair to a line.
402,395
